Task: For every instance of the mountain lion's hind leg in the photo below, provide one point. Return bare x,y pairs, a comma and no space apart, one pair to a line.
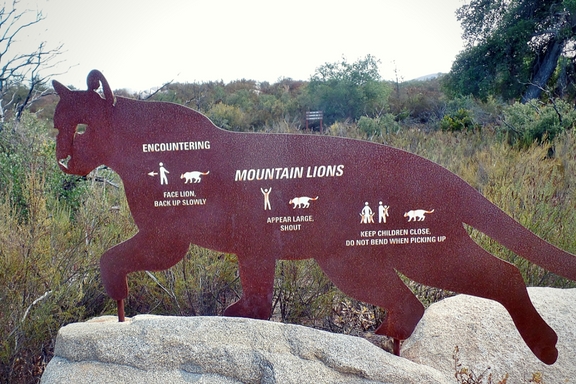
467,268
376,283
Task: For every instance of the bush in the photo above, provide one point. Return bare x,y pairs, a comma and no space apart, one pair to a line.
204,283
459,121
525,124
27,149
378,126
229,117
417,101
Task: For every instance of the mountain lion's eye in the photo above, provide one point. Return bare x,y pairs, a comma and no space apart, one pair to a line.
81,128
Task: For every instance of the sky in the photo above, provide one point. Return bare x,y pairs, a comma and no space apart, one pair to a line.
142,44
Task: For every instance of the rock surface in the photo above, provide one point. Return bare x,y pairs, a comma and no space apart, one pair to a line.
486,337
161,349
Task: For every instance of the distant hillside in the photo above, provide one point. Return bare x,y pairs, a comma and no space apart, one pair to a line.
428,77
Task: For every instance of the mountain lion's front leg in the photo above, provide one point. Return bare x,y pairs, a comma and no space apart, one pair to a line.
148,251
257,278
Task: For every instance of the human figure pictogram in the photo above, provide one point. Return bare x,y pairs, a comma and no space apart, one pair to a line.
163,177
382,212
367,214
266,193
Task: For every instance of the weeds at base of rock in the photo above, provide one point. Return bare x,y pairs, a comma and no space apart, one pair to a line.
465,375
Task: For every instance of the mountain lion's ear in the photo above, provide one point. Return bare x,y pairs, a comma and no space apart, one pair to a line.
94,79
60,89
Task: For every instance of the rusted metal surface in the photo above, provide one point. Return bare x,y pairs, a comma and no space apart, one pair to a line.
364,211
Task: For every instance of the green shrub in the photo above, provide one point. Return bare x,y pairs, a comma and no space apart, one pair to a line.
229,117
459,121
378,126
532,122
417,101
30,148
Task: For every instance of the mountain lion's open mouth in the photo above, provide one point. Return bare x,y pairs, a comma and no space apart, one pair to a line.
64,162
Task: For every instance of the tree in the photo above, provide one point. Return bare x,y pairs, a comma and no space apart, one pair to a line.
512,46
18,68
348,91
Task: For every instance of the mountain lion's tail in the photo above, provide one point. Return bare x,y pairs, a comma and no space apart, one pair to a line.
495,223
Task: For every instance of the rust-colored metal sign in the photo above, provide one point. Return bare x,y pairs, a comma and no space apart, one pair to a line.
364,211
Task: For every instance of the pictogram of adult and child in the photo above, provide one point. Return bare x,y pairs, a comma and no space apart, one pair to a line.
367,215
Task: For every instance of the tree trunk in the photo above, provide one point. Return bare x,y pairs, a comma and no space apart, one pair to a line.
545,70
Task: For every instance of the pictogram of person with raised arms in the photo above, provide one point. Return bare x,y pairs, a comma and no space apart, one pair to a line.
266,193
